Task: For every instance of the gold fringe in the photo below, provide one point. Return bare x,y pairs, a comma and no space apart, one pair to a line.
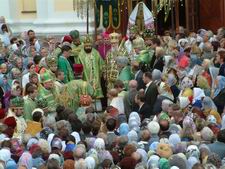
110,16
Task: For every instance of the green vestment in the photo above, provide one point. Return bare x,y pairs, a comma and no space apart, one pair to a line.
75,52
71,92
93,64
64,65
29,106
50,97
126,75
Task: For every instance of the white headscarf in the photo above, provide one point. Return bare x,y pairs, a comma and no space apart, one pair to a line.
198,94
90,162
76,135
99,144
50,138
5,154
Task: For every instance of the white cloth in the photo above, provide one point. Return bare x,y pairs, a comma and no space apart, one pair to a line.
128,46
25,79
4,37
198,94
223,122
5,154
201,45
37,46
21,125
76,135
117,102
49,139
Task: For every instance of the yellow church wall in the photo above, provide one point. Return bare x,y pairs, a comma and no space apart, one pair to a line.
63,5
26,9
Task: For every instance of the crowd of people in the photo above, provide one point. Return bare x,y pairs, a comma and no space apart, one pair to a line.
142,101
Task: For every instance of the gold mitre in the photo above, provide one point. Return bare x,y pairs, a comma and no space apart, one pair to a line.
87,40
114,37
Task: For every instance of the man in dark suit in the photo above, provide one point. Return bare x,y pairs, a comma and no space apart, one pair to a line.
151,91
144,109
142,67
155,43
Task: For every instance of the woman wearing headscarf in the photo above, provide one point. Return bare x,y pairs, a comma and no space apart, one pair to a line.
26,160
172,81
219,94
123,129
164,90
189,129
186,83
156,76
209,108
90,162
206,64
4,34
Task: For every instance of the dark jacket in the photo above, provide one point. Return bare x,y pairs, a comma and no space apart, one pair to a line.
157,63
151,96
144,111
129,102
219,101
139,79
176,91
222,70
157,108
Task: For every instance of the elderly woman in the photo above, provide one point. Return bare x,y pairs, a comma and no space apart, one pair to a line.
209,108
172,82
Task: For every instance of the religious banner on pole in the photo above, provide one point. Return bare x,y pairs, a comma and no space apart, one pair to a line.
107,13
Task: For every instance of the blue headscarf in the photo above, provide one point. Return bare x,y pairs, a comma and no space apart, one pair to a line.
11,164
123,129
220,86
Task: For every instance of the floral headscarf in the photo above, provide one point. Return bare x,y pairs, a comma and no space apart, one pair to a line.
26,160
186,83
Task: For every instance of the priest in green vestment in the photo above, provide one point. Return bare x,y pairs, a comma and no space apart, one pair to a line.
93,63
49,64
110,69
48,93
29,102
71,92
75,45
64,65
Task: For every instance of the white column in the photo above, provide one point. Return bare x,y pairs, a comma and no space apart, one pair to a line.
42,11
